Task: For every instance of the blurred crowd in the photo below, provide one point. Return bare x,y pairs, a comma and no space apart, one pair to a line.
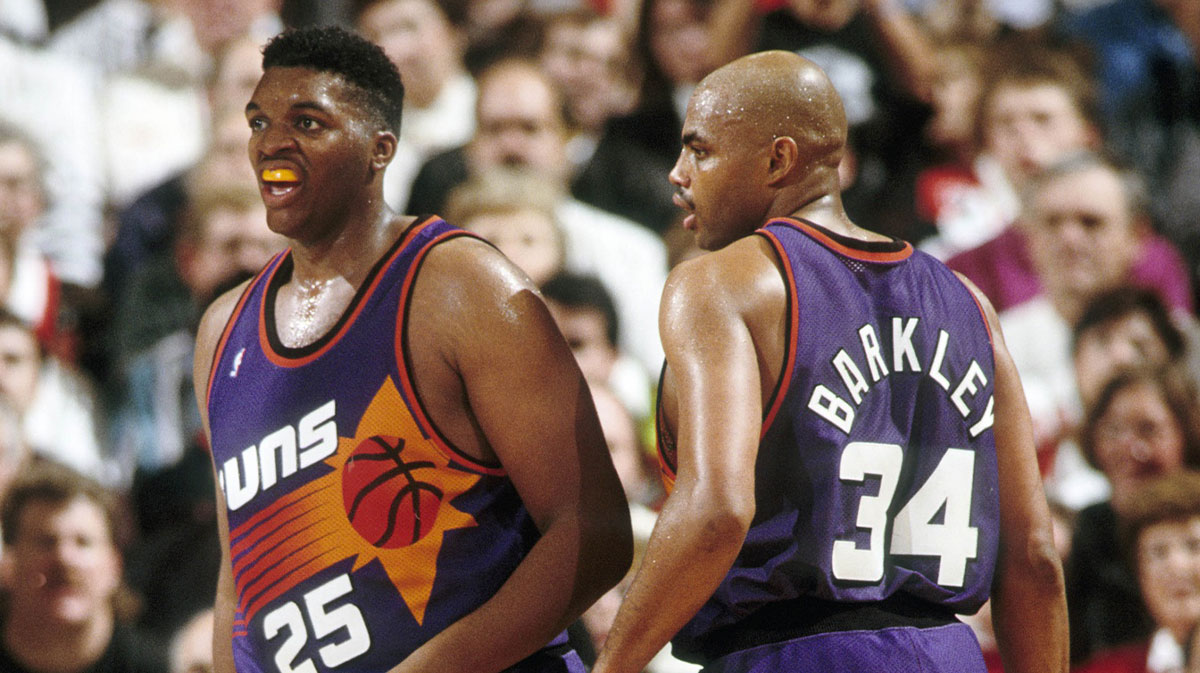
1049,150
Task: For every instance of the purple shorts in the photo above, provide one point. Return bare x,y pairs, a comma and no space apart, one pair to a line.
904,649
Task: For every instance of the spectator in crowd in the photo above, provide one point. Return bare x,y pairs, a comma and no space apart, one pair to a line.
426,39
1037,107
672,45
54,100
62,579
946,184
1123,328
153,58
520,123
31,288
1160,536
634,465
500,29
127,36
56,404
587,317
1148,55
587,57
1144,424
1081,217
515,211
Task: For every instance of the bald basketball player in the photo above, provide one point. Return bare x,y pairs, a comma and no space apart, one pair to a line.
411,474
843,431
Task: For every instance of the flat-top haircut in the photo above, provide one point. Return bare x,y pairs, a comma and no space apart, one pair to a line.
361,63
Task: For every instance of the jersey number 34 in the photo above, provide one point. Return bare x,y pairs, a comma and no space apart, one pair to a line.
914,531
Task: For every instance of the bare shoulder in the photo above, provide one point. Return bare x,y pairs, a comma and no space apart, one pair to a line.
463,274
737,278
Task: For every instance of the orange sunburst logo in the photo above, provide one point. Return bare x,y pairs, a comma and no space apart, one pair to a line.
388,498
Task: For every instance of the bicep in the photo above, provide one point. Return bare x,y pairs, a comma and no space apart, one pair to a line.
1023,508
716,381
528,396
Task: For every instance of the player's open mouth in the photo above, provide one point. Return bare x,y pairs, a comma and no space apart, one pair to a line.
278,184
689,221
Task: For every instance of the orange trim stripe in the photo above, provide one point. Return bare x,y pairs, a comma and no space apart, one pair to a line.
274,544
228,329
443,445
360,299
239,535
789,359
854,253
294,576
664,438
982,314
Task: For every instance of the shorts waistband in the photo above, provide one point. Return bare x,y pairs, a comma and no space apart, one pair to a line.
797,618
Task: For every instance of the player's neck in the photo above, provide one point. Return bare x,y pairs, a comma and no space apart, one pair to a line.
349,254
827,212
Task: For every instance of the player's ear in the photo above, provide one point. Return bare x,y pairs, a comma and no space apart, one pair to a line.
383,150
782,160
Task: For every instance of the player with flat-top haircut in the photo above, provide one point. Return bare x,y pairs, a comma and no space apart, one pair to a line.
844,433
411,474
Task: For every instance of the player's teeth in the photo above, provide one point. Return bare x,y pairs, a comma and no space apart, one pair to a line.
279,175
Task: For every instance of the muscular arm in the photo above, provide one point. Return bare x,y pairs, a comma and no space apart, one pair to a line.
1029,609
713,369
534,411
207,337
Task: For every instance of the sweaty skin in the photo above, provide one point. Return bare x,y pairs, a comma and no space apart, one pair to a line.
763,138
483,333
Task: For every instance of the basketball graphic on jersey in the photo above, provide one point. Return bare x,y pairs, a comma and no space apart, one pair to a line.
388,497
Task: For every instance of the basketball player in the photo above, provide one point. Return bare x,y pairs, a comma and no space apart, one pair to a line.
850,454
400,433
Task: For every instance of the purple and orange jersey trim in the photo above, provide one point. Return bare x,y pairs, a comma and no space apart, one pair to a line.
903,251
403,361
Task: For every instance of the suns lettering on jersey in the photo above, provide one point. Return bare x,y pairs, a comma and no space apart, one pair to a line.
281,453
863,364
324,521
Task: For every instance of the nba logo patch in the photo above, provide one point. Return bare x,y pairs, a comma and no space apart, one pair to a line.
237,363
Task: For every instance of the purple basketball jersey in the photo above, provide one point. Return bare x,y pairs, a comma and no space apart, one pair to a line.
357,532
876,473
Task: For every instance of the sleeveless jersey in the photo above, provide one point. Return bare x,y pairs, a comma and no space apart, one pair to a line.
876,471
357,532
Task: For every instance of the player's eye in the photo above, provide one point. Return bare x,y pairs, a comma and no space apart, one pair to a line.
308,124
257,124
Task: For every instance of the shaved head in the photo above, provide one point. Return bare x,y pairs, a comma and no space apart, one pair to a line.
763,137
775,94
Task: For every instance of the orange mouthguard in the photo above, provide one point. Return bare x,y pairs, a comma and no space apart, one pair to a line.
279,175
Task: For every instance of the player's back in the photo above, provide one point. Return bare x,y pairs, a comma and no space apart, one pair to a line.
876,499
